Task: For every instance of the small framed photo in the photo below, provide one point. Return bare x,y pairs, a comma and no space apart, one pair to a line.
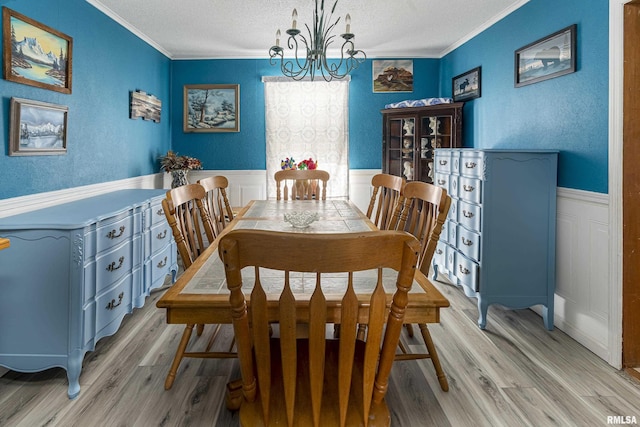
392,75
37,128
34,54
467,86
549,57
211,108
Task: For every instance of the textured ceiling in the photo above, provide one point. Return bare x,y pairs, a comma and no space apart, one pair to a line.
199,29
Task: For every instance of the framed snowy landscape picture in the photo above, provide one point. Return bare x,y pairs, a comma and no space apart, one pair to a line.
34,54
212,108
37,128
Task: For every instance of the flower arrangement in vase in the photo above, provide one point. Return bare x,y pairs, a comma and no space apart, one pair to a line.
178,166
290,163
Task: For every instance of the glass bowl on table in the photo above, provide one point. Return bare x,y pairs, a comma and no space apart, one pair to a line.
300,219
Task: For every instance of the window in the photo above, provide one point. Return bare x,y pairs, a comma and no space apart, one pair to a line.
308,119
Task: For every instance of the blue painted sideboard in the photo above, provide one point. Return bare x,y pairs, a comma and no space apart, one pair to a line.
499,240
73,272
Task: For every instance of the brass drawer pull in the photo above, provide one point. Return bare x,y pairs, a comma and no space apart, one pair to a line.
439,251
161,236
441,182
463,270
112,266
159,212
467,214
113,304
468,188
162,263
443,162
470,165
467,242
112,234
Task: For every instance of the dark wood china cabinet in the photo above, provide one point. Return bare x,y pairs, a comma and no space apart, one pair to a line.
410,136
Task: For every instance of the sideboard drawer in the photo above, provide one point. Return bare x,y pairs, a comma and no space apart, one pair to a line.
470,190
452,236
114,231
160,264
110,267
439,256
114,304
466,271
453,210
443,180
157,214
443,161
472,164
469,215
160,236
469,243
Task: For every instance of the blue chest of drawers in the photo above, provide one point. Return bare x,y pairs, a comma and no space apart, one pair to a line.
73,272
498,242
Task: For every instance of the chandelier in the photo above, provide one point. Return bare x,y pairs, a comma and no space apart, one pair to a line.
310,55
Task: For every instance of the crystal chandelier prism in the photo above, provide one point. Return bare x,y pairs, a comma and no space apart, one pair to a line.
310,52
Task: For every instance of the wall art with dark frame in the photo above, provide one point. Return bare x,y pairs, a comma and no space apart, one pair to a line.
35,54
37,128
551,56
467,86
211,108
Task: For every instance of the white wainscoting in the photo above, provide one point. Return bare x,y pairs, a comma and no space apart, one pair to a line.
583,290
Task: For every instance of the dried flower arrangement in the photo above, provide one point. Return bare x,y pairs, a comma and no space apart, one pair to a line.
172,162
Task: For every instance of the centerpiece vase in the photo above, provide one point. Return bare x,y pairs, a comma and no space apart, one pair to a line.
179,178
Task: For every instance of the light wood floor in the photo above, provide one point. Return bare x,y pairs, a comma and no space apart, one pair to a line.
515,373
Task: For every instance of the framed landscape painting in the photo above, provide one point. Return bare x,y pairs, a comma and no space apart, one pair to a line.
211,108
549,57
37,128
392,75
34,54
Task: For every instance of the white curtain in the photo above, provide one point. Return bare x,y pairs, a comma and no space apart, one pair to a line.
308,119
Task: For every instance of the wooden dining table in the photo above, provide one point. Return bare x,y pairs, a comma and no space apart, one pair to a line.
200,295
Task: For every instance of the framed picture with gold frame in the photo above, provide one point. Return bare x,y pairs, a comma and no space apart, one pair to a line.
35,54
211,108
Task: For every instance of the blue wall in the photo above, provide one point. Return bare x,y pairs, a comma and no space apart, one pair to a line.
247,148
567,113
103,143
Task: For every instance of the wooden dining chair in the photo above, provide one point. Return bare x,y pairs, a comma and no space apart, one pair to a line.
422,211
315,380
295,184
193,232
384,199
216,202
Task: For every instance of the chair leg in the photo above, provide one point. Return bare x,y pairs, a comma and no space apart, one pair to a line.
233,396
442,378
171,376
409,327
199,330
